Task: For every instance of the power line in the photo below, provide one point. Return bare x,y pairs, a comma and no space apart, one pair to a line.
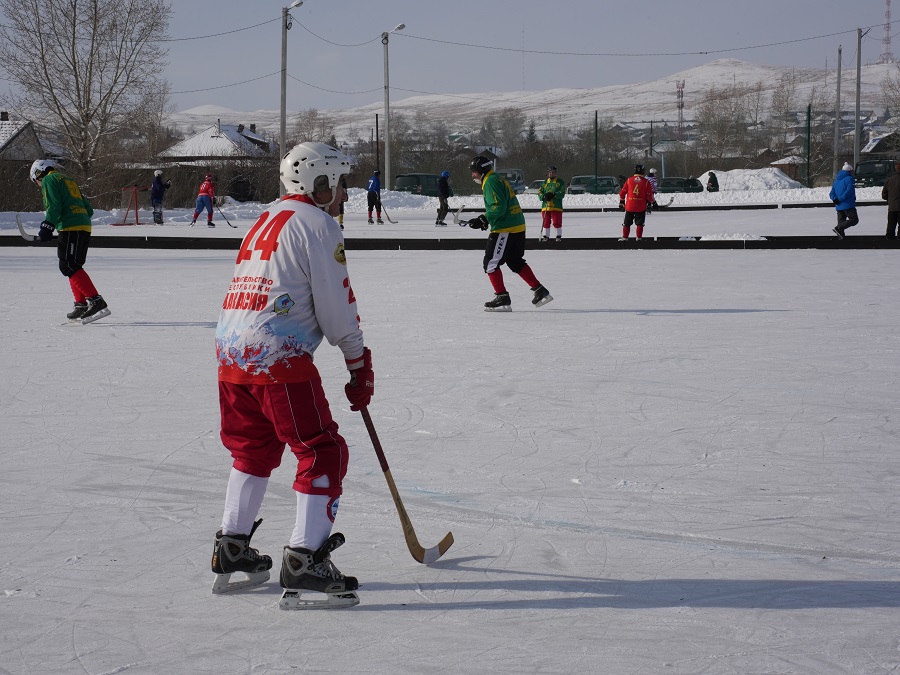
706,52
338,44
229,32
225,86
334,91
181,39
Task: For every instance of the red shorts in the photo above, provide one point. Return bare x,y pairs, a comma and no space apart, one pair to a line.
258,420
551,218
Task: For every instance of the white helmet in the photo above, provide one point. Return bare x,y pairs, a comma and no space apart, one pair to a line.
41,167
306,162
158,172
652,172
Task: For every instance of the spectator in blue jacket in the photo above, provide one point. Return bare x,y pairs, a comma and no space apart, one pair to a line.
157,192
373,196
843,194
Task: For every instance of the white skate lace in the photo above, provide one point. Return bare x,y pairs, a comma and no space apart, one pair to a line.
327,569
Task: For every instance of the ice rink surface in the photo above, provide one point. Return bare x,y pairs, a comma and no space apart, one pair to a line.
687,463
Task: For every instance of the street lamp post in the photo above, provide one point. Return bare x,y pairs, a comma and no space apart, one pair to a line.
385,38
285,27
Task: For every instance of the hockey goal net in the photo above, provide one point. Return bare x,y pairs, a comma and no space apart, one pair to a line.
130,206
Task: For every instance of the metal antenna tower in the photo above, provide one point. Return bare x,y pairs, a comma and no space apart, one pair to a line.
886,56
679,91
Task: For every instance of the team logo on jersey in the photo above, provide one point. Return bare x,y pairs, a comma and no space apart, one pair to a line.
283,304
339,254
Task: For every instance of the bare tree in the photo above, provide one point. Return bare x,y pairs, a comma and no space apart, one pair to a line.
782,115
722,119
890,89
83,66
313,126
511,126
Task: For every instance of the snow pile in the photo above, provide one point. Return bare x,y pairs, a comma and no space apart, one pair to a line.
769,178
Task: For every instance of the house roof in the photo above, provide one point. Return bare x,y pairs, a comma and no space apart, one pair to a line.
220,141
792,159
18,141
9,130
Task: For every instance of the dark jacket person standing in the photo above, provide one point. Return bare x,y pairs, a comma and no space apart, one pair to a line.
891,193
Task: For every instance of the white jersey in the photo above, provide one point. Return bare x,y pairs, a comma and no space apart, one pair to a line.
289,290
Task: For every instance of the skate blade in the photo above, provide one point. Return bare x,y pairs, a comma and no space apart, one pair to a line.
505,308
94,317
223,583
292,599
543,301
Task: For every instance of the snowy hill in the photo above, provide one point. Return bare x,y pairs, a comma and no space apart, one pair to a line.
570,109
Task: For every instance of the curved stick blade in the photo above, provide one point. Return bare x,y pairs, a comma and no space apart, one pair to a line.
418,552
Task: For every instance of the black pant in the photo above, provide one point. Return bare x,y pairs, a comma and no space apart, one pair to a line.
443,207
71,250
505,248
374,201
638,218
847,218
893,222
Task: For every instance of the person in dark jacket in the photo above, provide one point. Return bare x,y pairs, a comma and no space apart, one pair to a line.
712,184
443,196
891,193
157,192
843,194
373,196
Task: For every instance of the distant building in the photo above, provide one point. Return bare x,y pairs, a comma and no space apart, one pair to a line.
791,166
217,144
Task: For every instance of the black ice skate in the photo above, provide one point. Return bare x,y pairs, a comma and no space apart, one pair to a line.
304,571
210,224
839,232
96,309
541,296
500,303
75,315
380,221
232,553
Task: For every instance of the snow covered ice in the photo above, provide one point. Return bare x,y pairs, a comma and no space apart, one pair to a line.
686,463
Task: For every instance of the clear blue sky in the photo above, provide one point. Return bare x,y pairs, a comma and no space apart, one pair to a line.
429,56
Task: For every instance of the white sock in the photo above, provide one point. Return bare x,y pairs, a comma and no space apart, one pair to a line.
315,517
242,502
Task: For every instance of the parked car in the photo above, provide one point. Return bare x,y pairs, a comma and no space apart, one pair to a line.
534,187
593,185
679,185
873,172
516,178
418,183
